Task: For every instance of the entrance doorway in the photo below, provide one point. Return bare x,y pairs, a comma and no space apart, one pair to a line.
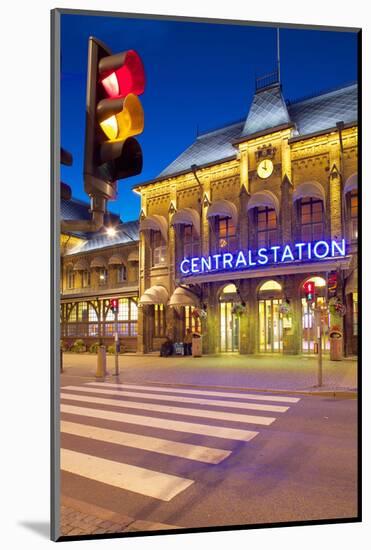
270,318
309,336
229,321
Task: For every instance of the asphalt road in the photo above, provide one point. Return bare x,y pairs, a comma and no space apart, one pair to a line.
297,460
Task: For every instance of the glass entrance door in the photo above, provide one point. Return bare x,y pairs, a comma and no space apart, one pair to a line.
229,328
270,326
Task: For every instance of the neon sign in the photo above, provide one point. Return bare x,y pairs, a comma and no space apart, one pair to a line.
227,261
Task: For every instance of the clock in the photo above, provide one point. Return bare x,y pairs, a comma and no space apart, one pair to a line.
265,168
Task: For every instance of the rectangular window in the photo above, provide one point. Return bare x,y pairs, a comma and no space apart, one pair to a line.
311,218
354,215
158,247
102,278
190,242
85,279
267,227
70,279
355,313
160,321
226,235
121,273
191,321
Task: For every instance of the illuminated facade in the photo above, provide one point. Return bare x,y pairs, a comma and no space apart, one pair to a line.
228,234
235,226
95,268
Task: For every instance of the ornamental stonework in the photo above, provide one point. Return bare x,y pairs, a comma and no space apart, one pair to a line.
225,188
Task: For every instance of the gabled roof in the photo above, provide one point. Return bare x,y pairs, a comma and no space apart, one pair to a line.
210,147
268,110
127,232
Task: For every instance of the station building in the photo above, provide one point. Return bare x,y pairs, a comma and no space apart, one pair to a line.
228,235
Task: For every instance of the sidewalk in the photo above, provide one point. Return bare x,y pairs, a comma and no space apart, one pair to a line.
260,373
79,518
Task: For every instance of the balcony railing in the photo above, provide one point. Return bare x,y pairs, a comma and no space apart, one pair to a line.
99,288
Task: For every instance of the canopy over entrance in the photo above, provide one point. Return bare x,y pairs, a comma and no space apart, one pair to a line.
183,297
155,295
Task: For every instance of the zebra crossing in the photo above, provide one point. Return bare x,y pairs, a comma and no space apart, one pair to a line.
210,421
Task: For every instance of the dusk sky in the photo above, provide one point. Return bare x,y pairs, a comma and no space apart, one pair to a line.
198,76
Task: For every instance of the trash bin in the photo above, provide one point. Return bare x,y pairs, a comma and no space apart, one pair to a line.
336,345
196,345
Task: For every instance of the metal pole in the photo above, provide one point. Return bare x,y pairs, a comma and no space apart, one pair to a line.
278,56
117,371
319,337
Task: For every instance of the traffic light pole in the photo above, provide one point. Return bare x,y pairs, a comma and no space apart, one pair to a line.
117,370
319,343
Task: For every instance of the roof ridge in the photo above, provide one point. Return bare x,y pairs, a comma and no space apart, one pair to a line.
221,128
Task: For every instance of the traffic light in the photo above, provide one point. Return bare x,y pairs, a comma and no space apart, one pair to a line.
114,115
114,305
309,289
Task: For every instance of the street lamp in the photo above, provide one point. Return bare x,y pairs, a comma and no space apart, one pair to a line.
111,231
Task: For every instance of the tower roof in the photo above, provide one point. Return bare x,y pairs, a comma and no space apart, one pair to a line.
268,110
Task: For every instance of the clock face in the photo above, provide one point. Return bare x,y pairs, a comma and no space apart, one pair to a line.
265,168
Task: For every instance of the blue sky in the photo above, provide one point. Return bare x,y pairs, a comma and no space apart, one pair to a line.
199,75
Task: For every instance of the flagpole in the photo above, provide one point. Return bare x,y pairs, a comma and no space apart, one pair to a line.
278,56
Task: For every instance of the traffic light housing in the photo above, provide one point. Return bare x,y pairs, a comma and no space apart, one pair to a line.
114,115
309,290
114,305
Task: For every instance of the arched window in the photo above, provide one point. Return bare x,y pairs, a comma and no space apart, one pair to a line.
270,285
311,217
266,222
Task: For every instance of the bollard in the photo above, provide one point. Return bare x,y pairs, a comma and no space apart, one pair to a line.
101,363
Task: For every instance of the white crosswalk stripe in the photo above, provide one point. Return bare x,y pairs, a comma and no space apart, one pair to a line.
147,443
147,481
245,396
163,423
132,478
216,415
195,401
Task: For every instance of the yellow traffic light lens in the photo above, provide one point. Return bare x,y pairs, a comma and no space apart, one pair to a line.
110,127
121,118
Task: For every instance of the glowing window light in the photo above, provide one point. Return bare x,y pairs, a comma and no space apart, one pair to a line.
110,127
229,289
318,281
271,285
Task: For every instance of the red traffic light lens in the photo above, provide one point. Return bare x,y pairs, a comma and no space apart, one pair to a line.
126,79
113,304
309,287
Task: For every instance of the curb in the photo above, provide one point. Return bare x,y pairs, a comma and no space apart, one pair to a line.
344,393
